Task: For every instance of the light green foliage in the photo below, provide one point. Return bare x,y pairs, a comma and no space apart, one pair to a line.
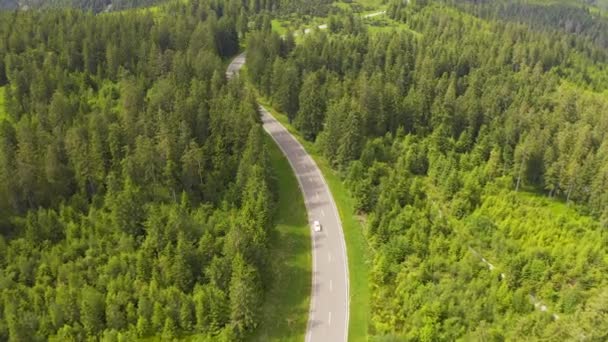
436,134
310,117
278,27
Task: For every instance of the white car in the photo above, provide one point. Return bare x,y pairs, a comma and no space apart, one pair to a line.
316,225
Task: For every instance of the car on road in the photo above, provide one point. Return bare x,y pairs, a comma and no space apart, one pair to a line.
316,225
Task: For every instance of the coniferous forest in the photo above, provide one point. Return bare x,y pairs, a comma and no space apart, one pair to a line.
137,196
474,141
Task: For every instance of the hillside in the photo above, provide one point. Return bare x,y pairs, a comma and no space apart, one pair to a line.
136,191
443,121
465,142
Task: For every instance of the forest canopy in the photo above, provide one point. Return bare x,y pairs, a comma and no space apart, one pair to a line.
136,198
136,195
473,140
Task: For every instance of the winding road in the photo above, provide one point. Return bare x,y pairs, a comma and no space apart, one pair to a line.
329,301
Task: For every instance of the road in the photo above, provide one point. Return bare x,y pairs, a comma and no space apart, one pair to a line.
236,65
329,301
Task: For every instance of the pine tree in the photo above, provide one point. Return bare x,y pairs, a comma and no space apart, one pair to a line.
169,329
158,317
143,327
245,296
351,140
186,317
92,311
331,136
311,113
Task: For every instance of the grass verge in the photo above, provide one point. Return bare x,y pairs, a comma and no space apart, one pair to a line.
353,233
285,311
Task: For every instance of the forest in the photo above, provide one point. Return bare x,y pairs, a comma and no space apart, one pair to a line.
300,7
136,194
136,199
95,6
475,147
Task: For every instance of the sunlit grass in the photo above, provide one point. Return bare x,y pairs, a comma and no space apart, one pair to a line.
285,311
277,26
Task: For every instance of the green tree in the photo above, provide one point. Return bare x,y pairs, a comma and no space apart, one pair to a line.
311,113
92,311
245,296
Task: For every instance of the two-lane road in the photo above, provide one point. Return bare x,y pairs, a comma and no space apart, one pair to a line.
328,318
329,301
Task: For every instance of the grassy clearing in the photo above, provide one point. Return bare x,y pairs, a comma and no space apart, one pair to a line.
385,24
285,311
372,5
277,26
554,207
353,233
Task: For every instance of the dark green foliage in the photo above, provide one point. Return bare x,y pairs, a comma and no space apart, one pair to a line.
310,117
569,17
93,5
244,296
439,131
132,176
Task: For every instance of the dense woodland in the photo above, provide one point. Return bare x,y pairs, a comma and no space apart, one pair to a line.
88,5
301,7
477,148
136,197
572,18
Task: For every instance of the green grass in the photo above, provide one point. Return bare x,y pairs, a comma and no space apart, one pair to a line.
157,11
555,206
285,310
353,233
372,5
277,26
384,24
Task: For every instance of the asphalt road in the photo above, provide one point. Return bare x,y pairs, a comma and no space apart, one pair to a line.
236,65
329,302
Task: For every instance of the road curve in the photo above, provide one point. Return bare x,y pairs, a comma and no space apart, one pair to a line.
329,301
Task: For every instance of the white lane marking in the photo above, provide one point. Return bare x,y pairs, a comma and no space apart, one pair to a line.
317,195
329,256
310,179
331,285
268,127
311,308
322,212
330,318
